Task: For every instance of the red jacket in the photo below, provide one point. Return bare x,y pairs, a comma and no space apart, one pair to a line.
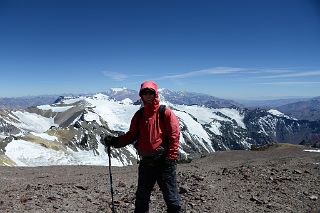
150,131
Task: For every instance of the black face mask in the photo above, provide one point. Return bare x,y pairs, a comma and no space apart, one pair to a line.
147,92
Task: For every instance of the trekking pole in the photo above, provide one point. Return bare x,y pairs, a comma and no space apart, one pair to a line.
110,175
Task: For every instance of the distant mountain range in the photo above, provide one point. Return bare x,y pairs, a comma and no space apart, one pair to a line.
29,101
272,103
68,130
304,110
24,102
175,97
300,108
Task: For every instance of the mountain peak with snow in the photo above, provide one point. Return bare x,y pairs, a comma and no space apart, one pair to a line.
279,114
118,89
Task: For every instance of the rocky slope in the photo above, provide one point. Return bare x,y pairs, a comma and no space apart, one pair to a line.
281,179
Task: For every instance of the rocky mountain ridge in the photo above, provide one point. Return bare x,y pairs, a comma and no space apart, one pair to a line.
301,108
69,130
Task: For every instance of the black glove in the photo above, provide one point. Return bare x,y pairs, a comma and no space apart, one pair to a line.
108,140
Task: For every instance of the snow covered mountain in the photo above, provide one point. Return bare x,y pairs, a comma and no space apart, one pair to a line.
68,131
123,93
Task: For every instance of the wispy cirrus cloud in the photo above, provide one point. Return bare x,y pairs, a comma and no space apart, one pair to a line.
284,83
117,76
239,72
247,72
210,71
292,74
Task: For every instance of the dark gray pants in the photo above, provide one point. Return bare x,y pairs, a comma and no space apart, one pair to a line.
164,173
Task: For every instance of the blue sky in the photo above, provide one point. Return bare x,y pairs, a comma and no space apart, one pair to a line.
229,49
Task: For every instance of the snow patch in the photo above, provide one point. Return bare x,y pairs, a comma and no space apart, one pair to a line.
45,136
115,113
72,100
312,150
215,128
32,121
126,101
233,114
279,114
90,116
54,108
196,130
120,89
101,96
206,115
25,153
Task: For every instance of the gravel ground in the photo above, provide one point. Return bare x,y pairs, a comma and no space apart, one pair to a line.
283,179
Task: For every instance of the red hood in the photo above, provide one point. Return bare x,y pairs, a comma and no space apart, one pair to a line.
149,84
155,106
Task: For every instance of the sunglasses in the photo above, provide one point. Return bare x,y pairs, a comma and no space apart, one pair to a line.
147,92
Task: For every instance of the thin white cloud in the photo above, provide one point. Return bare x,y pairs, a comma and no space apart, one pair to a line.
294,74
288,83
210,71
257,73
273,71
115,75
